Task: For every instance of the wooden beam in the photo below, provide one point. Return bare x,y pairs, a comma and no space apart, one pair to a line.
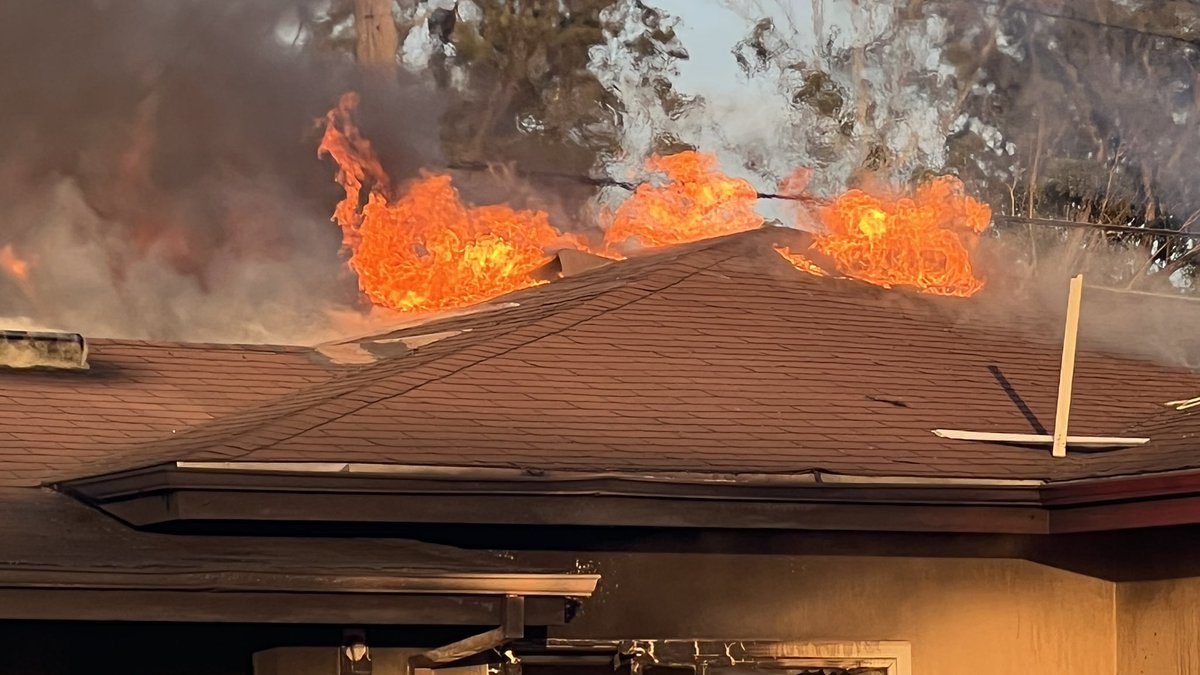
1041,439
1067,371
512,619
461,649
512,627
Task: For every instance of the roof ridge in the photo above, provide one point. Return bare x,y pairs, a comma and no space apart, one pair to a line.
207,346
451,319
345,393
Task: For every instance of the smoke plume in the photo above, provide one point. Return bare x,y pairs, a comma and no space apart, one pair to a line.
158,170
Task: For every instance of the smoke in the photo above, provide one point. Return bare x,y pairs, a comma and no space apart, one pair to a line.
158,169
1027,280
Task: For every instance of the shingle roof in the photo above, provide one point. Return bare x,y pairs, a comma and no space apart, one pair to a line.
54,422
711,357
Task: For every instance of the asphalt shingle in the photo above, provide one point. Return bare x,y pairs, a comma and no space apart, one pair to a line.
717,356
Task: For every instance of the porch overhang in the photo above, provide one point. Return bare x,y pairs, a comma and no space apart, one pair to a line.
61,560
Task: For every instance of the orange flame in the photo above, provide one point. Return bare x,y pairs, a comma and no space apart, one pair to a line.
426,249
800,262
696,202
921,241
422,248
13,267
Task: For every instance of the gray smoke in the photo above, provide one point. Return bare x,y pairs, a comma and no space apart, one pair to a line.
158,168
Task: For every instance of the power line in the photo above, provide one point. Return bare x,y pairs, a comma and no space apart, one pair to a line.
817,201
1002,4
1132,229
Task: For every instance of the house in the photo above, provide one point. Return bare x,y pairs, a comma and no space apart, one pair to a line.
698,458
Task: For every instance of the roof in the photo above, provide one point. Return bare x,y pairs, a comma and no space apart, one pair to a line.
54,544
53,422
714,357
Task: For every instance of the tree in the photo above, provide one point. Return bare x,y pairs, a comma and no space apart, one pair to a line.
526,93
376,35
1078,111
1098,102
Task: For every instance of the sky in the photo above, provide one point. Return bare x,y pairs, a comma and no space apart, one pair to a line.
710,30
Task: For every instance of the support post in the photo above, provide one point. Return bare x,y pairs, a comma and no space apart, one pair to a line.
1066,372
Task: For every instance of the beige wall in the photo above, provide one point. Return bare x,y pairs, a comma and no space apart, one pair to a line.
976,616
1158,625
961,616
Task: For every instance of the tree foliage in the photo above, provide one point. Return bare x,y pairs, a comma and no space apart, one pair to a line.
1099,100
1050,109
1084,111
528,95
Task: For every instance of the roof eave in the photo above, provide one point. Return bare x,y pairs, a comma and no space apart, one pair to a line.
442,583
176,493
83,603
380,493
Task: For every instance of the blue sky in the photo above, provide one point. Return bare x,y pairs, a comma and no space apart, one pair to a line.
709,31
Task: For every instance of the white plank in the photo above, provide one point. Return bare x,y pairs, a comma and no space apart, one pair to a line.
1040,439
1066,373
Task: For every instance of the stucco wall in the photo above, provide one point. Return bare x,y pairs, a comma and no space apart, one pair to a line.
1159,626
981,616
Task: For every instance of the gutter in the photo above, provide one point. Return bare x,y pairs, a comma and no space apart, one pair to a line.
509,474
459,584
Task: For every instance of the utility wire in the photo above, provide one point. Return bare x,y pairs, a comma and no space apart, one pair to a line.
817,201
1132,229
1004,4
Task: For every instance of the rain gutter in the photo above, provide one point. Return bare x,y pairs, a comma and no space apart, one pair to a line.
512,474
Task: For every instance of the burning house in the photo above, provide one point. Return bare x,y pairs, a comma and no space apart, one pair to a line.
699,457
661,436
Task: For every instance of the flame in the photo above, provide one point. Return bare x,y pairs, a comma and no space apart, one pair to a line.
800,262
921,241
425,249
421,248
12,266
429,251
695,202
16,269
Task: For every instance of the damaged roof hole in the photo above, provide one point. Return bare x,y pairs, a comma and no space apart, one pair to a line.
568,263
372,350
